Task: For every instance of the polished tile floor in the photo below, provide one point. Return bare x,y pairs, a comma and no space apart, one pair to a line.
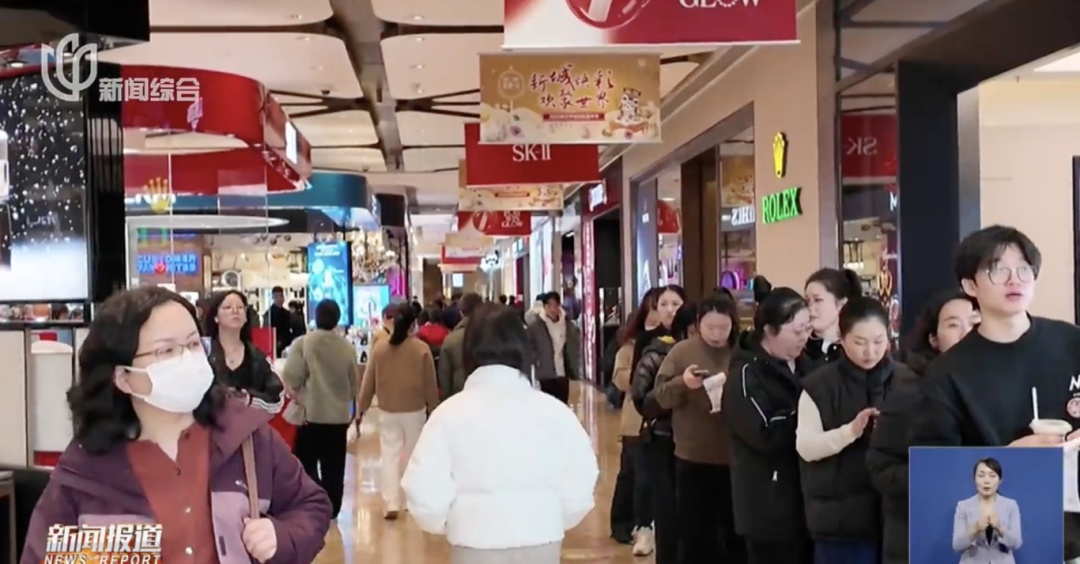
362,536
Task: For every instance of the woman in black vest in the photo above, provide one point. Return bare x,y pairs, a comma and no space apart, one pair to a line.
759,403
827,290
836,412
946,320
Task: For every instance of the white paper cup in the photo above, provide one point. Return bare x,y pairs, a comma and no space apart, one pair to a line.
1055,427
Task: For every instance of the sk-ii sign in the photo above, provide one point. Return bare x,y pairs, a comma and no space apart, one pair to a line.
490,165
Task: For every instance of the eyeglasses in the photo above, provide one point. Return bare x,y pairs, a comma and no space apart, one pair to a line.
174,350
999,275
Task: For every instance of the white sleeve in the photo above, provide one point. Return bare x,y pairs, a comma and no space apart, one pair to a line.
580,470
812,441
428,482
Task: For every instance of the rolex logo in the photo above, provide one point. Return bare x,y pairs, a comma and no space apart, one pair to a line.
779,155
158,196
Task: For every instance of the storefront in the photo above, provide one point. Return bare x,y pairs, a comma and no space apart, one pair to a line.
747,169
960,131
601,250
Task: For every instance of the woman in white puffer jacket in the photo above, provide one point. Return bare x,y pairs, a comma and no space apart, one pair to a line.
501,470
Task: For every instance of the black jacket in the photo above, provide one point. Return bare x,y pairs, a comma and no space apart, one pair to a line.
255,376
759,404
821,355
642,382
887,461
841,502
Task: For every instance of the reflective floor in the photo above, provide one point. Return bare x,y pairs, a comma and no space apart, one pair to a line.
362,536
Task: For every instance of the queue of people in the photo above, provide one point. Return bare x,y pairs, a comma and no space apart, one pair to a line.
805,459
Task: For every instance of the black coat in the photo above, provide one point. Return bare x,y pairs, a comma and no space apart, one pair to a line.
841,502
255,377
759,407
887,461
642,383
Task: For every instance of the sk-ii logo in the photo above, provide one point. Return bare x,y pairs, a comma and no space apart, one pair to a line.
861,146
527,152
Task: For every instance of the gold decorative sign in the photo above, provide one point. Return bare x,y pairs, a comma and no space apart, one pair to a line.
780,155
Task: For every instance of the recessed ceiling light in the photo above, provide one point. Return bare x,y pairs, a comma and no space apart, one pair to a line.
417,17
304,38
319,68
418,66
419,38
297,16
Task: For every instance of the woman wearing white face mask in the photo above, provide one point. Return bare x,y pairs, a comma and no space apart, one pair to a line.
157,443
836,413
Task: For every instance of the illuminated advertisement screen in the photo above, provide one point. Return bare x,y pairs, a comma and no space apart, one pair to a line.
368,303
329,278
172,263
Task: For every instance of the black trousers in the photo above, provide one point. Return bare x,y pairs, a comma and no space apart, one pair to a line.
706,515
321,450
559,388
631,507
795,552
659,462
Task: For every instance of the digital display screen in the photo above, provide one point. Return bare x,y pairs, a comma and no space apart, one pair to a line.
368,303
329,278
173,263
43,250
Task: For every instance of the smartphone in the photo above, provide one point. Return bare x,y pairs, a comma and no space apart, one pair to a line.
702,373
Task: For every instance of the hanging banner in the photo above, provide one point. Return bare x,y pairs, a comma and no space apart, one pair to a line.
575,24
527,163
495,223
569,98
511,198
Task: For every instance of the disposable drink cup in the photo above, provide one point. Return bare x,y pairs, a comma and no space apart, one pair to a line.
1055,427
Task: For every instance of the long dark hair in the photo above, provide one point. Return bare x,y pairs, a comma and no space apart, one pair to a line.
102,414
403,322
926,324
210,322
842,284
636,325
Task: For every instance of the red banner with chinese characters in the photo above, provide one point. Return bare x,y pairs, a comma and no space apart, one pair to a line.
668,221
562,24
527,163
496,223
869,149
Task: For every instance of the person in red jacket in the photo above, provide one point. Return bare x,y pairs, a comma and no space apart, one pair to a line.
431,330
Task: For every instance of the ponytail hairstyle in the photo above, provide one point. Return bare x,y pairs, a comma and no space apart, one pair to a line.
403,323
842,284
761,287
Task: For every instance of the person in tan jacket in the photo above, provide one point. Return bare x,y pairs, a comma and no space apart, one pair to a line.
703,461
629,508
401,372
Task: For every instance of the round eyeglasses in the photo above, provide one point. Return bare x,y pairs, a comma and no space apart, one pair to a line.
999,275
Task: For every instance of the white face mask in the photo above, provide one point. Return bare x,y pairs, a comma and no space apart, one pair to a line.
178,384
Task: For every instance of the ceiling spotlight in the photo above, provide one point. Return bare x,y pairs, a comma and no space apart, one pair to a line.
297,16
304,38
419,90
419,38
319,68
417,17
418,66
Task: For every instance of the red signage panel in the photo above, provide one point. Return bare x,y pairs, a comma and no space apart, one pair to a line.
496,223
525,164
869,148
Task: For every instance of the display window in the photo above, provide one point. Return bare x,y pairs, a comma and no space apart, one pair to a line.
738,219
870,198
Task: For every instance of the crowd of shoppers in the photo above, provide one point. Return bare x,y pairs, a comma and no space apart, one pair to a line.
806,458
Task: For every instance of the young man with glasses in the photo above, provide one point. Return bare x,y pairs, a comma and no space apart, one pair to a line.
979,392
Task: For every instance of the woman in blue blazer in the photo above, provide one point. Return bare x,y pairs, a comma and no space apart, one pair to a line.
986,529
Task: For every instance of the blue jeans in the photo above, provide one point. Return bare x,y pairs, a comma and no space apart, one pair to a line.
847,552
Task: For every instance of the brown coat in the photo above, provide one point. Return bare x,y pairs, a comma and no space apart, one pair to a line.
403,377
700,436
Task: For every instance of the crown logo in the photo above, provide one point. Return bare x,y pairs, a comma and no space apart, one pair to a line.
779,155
157,195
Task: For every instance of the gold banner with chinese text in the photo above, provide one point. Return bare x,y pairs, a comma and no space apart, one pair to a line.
569,98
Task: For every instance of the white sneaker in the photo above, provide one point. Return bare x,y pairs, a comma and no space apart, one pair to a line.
644,544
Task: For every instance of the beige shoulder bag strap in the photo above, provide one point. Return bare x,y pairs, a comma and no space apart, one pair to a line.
248,448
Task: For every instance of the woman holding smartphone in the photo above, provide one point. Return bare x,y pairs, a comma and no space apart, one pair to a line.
703,464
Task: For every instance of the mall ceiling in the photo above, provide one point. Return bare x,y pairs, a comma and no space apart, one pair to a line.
382,87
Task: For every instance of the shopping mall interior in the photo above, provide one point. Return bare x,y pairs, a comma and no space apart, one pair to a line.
374,152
